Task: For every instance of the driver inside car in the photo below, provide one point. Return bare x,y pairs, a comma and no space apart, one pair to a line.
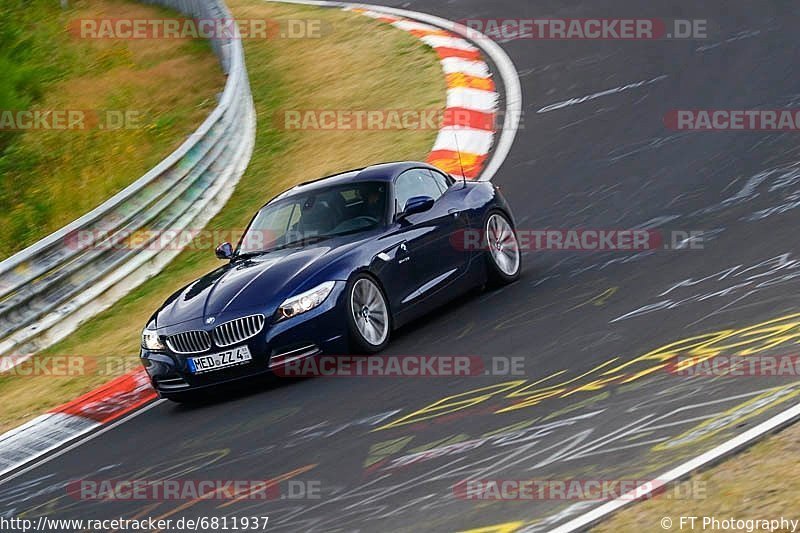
375,203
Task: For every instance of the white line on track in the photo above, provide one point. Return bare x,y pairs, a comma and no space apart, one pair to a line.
598,513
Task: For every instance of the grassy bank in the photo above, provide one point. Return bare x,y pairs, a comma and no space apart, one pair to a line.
49,177
358,63
759,483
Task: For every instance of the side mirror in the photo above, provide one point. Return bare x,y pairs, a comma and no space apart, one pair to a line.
224,251
417,204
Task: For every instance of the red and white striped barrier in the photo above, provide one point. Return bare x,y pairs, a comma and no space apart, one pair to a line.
471,109
49,431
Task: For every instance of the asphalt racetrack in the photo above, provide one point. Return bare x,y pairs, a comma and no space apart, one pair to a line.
594,329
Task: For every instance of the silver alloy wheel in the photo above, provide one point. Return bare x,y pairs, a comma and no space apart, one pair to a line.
369,311
503,245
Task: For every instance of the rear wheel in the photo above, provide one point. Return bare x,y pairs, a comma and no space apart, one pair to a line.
368,315
503,257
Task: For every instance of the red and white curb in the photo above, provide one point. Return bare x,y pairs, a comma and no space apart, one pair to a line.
49,431
471,109
469,118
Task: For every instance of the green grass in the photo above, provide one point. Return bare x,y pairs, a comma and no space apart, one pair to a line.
27,59
352,67
50,177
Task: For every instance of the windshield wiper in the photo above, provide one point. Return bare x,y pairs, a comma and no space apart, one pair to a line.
248,255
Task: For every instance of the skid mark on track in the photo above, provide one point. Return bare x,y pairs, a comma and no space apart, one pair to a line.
607,92
744,34
734,284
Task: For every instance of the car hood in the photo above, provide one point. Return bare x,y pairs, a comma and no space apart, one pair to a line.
263,282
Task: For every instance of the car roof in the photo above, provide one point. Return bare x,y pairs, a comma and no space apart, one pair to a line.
379,172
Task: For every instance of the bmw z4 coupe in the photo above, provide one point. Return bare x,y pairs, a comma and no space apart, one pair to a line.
331,266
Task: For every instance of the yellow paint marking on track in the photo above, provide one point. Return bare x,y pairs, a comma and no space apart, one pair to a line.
386,448
508,527
598,300
513,427
533,397
467,330
271,482
749,340
454,403
441,443
745,411
212,494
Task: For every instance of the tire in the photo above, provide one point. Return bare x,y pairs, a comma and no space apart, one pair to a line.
369,317
503,256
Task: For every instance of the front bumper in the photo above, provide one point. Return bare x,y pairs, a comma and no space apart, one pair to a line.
322,330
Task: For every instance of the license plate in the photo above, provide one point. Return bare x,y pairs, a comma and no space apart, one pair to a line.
216,361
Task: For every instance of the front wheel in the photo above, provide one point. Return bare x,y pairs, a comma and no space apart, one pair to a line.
503,257
368,315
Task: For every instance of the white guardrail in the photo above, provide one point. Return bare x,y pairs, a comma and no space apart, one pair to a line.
48,289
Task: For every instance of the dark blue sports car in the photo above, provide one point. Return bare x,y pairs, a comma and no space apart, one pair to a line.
331,266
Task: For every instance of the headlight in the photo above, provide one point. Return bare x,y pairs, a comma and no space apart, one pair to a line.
150,340
305,301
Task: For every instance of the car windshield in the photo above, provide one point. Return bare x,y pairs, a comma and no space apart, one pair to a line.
316,215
